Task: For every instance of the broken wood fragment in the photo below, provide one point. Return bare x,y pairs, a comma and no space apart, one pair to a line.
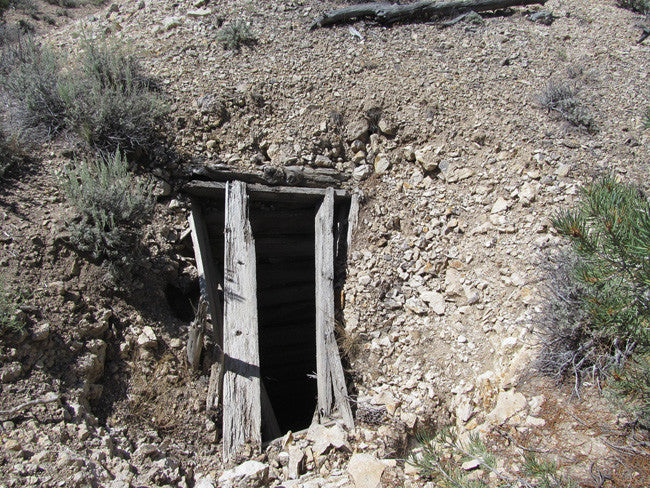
387,13
242,416
196,332
215,387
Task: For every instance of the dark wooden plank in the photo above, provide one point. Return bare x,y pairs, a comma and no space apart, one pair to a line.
272,222
282,295
242,416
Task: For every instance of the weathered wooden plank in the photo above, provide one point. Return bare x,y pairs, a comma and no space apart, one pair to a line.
329,370
273,175
215,386
285,194
242,416
279,247
273,222
195,335
324,246
285,294
209,277
353,217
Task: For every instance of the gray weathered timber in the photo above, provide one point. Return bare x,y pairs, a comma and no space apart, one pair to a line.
330,378
353,218
388,13
209,277
242,417
273,175
285,194
195,336
215,386
324,240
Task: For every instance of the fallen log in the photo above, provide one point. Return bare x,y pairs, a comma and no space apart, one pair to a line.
388,13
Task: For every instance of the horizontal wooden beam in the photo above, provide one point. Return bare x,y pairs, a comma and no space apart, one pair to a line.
217,189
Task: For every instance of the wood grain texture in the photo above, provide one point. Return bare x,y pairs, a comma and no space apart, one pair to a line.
324,242
209,277
330,377
242,416
262,193
389,13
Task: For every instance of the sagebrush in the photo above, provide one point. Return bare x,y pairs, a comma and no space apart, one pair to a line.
103,96
113,206
235,35
562,98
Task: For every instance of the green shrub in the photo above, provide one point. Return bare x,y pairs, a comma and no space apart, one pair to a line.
113,206
4,5
563,99
632,382
441,457
609,232
103,98
641,6
235,35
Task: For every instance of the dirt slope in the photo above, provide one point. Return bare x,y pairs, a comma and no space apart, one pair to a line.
460,174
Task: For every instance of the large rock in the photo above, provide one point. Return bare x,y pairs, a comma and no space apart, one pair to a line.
435,300
357,129
325,438
366,470
382,164
508,404
428,157
147,339
251,474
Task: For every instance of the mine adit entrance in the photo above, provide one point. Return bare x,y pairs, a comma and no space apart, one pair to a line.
272,256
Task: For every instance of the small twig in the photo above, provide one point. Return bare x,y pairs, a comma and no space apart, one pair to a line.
529,449
13,412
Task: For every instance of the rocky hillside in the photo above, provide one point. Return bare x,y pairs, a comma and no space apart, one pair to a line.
454,139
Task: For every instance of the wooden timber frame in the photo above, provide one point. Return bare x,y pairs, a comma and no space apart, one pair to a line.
236,380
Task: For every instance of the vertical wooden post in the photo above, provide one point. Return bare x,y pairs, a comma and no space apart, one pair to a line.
324,242
330,377
241,384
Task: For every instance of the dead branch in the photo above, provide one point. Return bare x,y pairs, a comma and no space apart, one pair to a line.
14,412
387,13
